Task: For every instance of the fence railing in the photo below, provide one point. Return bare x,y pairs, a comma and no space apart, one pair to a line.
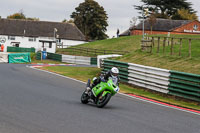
90,51
180,84
158,41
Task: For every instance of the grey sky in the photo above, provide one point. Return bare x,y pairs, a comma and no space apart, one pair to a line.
119,11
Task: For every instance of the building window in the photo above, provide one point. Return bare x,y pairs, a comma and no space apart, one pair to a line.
32,39
50,45
11,37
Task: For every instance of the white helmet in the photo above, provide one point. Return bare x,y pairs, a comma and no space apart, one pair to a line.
114,72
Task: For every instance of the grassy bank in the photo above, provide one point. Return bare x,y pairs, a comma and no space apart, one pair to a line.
84,73
161,60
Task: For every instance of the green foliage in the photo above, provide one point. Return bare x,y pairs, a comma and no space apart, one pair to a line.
17,16
184,14
91,19
165,8
21,15
68,21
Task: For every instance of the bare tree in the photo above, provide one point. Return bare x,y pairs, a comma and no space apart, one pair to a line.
133,21
152,20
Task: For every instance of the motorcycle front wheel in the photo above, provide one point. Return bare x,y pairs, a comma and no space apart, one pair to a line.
102,101
84,98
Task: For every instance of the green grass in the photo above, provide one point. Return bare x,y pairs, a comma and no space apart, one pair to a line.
161,60
80,73
85,73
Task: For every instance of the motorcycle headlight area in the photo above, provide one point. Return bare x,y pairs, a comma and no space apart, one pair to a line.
117,89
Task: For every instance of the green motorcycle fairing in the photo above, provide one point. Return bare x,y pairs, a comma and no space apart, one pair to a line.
105,87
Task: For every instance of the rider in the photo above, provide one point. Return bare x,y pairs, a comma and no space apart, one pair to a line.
113,74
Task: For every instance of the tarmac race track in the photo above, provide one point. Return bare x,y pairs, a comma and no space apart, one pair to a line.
33,101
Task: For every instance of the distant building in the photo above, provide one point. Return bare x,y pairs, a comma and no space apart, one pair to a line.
166,26
38,34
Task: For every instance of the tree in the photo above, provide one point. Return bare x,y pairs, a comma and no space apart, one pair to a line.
21,15
183,14
68,21
91,19
165,8
152,20
133,21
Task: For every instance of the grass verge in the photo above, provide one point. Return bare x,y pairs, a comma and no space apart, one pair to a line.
84,73
160,59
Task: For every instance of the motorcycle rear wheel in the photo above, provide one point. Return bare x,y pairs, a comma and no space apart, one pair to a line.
84,98
101,102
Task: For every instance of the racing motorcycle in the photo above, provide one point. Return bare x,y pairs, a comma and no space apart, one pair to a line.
101,93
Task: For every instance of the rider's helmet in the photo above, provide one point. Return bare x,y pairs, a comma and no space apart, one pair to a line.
114,72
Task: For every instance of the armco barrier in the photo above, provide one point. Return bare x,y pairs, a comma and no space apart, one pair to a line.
69,58
185,85
19,49
149,77
93,61
38,56
52,56
181,84
76,59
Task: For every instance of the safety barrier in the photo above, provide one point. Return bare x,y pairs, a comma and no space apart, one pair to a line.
149,77
176,83
3,57
93,61
186,85
19,58
20,49
52,56
69,58
38,56
76,59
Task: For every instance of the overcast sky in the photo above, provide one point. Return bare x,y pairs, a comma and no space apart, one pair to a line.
119,12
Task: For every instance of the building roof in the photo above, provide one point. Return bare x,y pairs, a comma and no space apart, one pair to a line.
125,33
162,25
18,27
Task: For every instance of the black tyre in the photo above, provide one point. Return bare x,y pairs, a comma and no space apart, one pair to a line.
84,98
101,102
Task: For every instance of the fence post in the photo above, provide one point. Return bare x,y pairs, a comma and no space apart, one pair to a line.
152,41
164,42
190,43
158,49
172,43
180,47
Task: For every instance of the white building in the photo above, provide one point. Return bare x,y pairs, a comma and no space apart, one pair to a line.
39,34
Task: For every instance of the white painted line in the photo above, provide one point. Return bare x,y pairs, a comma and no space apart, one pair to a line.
118,92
